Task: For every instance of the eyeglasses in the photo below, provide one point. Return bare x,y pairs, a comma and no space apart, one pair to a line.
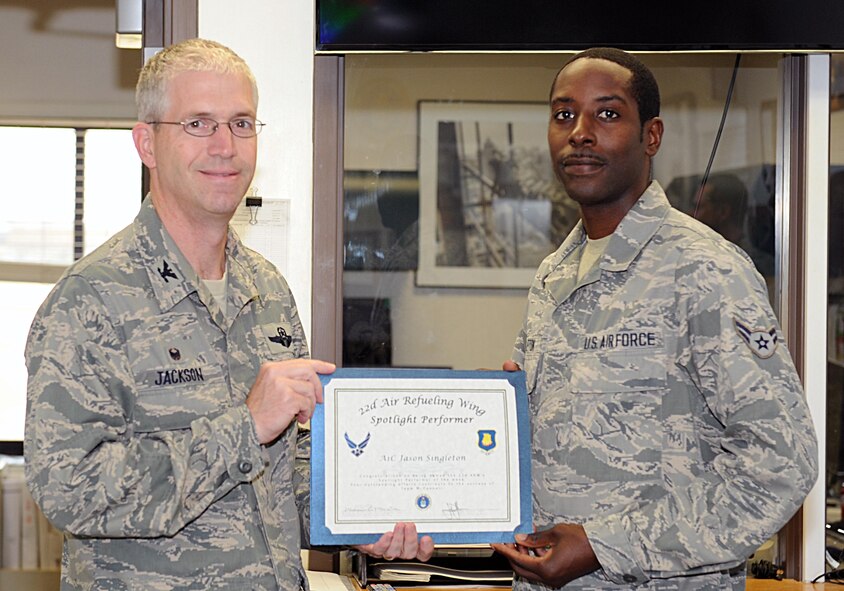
203,126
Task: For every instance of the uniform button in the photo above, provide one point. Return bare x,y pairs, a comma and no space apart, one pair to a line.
245,466
629,578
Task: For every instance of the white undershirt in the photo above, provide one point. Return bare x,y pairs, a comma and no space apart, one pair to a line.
592,251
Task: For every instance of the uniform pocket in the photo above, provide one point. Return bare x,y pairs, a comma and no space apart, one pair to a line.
176,407
616,429
177,376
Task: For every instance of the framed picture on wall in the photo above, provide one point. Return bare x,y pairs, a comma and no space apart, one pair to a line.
490,208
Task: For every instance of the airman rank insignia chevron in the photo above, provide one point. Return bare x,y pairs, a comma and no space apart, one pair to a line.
763,343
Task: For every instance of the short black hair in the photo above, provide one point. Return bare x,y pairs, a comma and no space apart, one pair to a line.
643,85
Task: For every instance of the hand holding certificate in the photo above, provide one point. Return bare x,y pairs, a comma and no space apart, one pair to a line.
446,450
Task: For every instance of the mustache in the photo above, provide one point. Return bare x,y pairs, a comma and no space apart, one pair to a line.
582,158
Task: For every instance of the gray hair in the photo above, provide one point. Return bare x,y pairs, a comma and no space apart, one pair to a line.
193,55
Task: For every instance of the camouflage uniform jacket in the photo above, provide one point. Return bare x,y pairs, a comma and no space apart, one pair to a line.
138,443
667,416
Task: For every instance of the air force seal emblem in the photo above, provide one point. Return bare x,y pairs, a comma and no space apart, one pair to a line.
763,343
356,448
486,439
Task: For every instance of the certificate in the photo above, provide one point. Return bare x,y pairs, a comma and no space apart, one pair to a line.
447,450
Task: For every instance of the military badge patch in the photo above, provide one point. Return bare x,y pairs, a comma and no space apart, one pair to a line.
763,343
279,337
486,439
283,338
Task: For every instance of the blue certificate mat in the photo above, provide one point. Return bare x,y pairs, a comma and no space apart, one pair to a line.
446,450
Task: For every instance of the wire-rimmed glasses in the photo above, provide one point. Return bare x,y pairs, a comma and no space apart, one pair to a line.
244,127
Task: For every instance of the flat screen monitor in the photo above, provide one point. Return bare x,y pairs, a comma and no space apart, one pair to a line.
539,25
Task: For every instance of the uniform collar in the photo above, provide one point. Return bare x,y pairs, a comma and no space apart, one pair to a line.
635,230
173,278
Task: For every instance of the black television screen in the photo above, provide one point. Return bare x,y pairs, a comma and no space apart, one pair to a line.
538,25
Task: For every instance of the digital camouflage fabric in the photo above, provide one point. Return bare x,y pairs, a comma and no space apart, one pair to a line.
139,445
667,415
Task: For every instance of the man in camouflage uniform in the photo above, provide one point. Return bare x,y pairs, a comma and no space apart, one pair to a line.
168,369
670,433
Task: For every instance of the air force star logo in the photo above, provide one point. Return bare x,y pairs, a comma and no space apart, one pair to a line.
763,343
356,448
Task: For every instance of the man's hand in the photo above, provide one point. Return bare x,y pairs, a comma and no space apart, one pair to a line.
402,543
553,557
510,365
283,391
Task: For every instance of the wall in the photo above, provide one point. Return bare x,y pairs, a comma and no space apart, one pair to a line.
59,61
276,39
382,92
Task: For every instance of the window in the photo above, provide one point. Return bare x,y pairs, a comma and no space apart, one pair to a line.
112,184
396,314
391,317
37,225
38,233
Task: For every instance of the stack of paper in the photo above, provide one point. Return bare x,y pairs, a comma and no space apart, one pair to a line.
422,573
322,581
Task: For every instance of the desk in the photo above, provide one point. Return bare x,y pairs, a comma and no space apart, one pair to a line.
752,585
786,585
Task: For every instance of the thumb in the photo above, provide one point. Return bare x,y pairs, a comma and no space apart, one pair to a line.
510,365
539,539
322,367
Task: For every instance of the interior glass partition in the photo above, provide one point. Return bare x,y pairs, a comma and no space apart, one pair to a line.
437,258
450,203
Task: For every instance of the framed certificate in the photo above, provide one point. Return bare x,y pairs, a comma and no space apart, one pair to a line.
447,450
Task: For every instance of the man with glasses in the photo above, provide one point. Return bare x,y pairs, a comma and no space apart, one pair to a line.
161,432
